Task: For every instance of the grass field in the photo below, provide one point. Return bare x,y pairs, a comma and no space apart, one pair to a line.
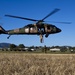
37,64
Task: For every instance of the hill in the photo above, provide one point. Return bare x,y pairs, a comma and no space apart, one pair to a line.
4,45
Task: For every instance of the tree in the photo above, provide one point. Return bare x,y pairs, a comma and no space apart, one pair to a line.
21,46
12,46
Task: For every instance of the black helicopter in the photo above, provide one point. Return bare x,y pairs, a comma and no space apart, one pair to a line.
39,28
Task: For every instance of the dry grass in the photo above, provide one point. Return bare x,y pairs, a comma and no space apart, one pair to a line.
37,64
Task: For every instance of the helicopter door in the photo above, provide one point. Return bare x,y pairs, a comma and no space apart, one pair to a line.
48,28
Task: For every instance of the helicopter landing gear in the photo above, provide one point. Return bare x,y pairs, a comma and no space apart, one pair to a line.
41,38
46,35
8,37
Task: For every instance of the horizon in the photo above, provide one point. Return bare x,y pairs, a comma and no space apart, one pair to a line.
37,46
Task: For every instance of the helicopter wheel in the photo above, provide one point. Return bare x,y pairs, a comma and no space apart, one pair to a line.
46,35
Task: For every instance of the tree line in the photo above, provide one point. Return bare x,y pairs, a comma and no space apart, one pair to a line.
44,49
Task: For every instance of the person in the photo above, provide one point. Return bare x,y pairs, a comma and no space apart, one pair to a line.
41,38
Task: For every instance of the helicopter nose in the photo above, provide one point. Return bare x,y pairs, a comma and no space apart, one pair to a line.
58,30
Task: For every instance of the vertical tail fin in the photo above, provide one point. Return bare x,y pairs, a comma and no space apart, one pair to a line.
2,30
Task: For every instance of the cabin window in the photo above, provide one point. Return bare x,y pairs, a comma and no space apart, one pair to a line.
31,29
27,30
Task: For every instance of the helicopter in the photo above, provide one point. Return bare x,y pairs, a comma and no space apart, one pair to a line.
39,28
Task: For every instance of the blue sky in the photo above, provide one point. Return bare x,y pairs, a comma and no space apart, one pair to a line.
38,9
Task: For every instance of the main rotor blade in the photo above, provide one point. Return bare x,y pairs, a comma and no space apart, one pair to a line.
61,22
54,11
21,18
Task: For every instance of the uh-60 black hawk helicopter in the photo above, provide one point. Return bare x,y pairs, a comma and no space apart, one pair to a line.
39,28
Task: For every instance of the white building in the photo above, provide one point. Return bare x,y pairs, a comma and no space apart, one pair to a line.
55,49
